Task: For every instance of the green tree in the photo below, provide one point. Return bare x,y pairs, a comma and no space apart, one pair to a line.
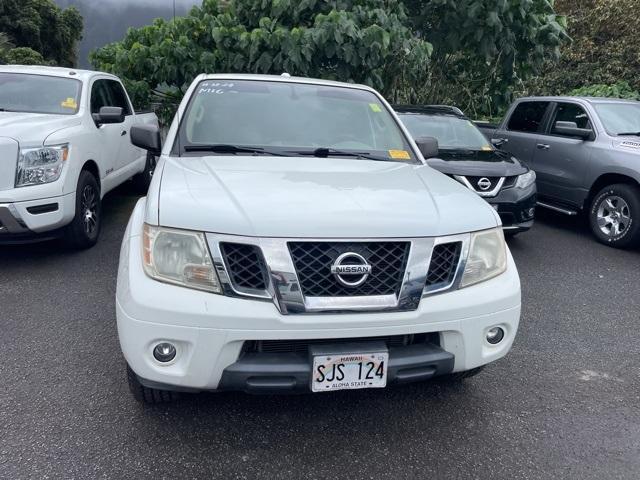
43,27
604,51
5,46
483,49
24,56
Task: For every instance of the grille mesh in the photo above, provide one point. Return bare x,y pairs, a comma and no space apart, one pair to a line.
245,265
302,346
444,262
313,261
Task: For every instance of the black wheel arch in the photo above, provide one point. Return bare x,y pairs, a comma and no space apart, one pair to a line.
92,166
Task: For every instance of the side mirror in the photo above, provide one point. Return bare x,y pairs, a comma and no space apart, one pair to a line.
498,142
109,115
428,146
570,129
147,137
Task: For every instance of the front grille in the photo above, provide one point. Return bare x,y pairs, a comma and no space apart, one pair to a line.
246,265
474,183
444,263
302,346
313,261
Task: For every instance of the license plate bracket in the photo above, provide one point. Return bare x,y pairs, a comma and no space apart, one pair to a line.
348,366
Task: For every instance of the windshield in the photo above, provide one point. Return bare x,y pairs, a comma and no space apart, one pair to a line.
451,132
21,92
290,118
619,118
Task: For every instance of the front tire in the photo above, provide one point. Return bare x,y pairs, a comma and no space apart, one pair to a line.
614,215
84,229
149,396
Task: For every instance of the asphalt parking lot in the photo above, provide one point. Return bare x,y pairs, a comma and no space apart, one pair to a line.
565,403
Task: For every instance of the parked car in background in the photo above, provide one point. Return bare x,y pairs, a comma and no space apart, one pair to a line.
586,155
64,143
295,241
467,156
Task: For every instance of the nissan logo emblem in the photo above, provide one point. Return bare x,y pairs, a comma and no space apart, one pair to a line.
484,184
351,269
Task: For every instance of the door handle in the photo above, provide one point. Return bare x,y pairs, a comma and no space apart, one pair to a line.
543,146
124,132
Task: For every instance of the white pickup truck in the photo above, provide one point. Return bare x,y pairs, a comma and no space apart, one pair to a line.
64,143
295,240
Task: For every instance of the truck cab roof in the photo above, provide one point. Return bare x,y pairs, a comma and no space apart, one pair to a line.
574,98
82,75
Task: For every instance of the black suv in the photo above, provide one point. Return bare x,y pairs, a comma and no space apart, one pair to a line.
467,156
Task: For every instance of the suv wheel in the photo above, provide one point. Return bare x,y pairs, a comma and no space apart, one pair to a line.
150,396
84,229
615,215
142,180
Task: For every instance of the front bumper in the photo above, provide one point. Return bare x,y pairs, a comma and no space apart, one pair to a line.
516,208
210,331
35,220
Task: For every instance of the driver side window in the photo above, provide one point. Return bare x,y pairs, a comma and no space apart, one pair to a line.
100,96
570,112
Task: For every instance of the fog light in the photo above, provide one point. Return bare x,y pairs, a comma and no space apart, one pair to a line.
164,352
495,335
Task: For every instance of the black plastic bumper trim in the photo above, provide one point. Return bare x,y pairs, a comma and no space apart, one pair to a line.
39,209
291,372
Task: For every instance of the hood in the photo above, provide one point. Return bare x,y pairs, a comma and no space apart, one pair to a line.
32,129
315,198
477,163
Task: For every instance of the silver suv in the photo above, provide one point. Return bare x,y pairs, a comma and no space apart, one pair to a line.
586,155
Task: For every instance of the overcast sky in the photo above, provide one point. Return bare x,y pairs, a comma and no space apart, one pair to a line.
107,21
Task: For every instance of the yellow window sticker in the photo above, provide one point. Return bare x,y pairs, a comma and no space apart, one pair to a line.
399,154
487,148
69,103
375,107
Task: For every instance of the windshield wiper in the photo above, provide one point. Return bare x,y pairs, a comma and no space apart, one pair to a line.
324,152
225,148
629,134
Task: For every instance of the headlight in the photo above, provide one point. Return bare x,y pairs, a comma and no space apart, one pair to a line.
526,179
180,257
40,165
487,257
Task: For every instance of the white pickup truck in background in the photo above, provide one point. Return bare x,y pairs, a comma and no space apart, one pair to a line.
64,143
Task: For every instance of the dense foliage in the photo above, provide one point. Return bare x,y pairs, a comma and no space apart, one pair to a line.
485,48
605,47
40,31
616,90
468,52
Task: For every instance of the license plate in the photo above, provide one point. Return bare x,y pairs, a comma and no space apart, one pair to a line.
349,371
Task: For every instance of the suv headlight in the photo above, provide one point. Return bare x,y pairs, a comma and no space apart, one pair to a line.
487,257
40,165
180,257
526,179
